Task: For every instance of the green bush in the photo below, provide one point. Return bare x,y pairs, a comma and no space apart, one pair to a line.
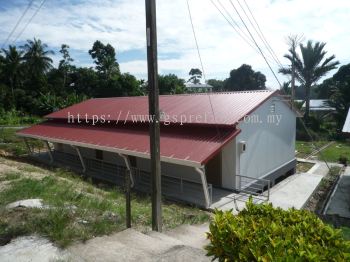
264,233
16,118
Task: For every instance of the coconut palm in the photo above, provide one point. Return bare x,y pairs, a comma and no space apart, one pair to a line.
310,68
12,66
37,57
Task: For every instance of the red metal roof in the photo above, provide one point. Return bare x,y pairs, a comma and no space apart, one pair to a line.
228,108
191,146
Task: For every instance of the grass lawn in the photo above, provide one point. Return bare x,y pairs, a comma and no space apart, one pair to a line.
331,153
14,145
79,210
335,151
303,167
304,148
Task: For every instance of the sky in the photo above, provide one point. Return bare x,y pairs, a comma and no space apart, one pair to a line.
121,23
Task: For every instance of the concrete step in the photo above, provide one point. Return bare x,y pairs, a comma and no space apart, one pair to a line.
142,242
189,235
165,238
107,249
183,254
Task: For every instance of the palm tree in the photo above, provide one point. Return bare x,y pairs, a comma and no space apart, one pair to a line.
37,57
12,66
311,68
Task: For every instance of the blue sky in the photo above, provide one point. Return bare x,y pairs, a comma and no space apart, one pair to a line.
121,23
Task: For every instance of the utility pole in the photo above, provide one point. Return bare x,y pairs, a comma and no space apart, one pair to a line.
153,100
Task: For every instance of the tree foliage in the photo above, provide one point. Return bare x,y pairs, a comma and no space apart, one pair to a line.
195,76
105,59
171,84
31,84
338,90
245,78
310,67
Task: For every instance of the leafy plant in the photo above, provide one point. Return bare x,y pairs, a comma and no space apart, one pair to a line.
343,160
264,233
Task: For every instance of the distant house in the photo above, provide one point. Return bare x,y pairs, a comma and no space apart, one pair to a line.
226,141
346,126
319,105
199,88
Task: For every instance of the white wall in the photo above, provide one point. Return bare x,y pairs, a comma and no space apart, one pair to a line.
269,144
228,165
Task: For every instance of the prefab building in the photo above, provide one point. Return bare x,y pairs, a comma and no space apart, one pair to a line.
220,141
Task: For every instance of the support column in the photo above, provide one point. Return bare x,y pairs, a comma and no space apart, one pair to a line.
81,158
128,167
49,150
201,172
30,151
128,185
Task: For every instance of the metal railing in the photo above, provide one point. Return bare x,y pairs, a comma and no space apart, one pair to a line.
173,187
258,188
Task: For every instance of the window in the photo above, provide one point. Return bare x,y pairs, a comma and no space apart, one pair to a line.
99,154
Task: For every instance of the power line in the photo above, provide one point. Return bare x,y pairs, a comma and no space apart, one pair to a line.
195,39
18,22
245,25
249,42
233,20
30,20
259,32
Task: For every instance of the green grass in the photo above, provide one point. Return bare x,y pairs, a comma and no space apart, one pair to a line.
331,153
335,151
304,148
16,118
303,167
79,210
9,176
13,144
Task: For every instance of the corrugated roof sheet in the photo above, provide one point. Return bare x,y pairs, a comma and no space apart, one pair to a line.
228,108
346,127
191,146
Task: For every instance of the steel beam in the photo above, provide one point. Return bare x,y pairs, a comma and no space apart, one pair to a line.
201,172
128,167
81,158
49,150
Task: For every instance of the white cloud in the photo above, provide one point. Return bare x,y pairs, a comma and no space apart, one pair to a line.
122,23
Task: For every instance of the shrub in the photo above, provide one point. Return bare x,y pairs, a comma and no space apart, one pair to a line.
343,160
263,233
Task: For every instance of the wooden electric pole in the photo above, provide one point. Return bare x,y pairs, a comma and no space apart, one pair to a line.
153,100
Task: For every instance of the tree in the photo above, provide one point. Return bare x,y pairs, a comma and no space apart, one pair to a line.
104,58
171,84
64,65
218,85
12,68
245,78
195,76
338,90
310,68
37,58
